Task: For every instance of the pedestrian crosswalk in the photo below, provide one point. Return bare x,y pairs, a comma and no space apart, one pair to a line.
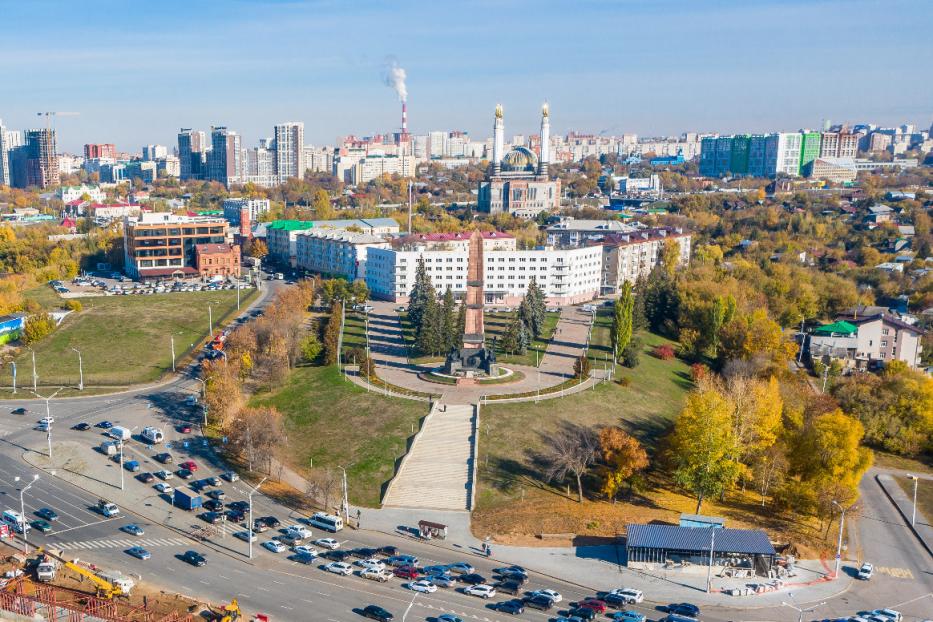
113,543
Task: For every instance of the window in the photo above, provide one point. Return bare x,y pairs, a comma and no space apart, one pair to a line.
884,343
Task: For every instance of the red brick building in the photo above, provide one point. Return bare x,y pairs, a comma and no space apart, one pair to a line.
218,260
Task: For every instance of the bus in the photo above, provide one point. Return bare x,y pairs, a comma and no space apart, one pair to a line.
327,522
17,523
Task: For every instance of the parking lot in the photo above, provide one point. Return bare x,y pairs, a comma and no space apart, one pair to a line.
118,285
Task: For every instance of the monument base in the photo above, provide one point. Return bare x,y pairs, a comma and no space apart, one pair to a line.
469,361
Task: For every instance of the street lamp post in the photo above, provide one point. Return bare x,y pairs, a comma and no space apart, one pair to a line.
48,418
210,321
249,528
22,508
346,502
913,517
800,611
80,370
842,522
35,376
203,393
172,338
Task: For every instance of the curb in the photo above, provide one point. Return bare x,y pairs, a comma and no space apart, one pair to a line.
913,529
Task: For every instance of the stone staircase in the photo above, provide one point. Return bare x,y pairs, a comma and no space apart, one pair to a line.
437,472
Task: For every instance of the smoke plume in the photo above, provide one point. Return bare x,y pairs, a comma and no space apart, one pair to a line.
395,78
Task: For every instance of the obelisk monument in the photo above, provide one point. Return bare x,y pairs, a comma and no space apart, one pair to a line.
474,356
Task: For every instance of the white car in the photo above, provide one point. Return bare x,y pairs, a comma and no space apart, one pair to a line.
299,532
327,543
46,420
339,568
165,475
630,596
482,591
443,580
372,564
275,546
554,595
376,575
164,488
866,571
423,586
246,536
301,549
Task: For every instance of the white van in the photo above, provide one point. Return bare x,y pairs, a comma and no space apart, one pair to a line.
15,521
326,522
121,434
108,448
153,435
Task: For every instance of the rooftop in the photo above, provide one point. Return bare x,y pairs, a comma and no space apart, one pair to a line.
212,249
742,541
573,224
463,236
840,327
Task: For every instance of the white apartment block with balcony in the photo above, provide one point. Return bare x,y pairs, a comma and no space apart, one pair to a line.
567,276
335,253
628,256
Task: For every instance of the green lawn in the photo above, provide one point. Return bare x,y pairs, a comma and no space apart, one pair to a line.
331,422
601,337
924,497
354,332
496,325
512,433
125,340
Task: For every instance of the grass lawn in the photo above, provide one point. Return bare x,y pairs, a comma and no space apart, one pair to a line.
332,422
601,336
354,332
496,325
892,461
924,497
124,340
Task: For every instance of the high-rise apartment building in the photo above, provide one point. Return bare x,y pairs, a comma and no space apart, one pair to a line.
192,145
260,167
289,150
40,159
789,145
93,151
5,177
225,161
151,153
839,145
809,150
437,144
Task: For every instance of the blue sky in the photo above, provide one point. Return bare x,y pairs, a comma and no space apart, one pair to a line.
137,71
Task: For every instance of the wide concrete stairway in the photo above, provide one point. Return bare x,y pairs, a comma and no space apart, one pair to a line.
438,470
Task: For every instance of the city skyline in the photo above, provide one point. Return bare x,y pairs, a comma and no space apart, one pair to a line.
250,66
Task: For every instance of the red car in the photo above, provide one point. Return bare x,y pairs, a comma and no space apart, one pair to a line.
190,465
599,606
184,429
407,572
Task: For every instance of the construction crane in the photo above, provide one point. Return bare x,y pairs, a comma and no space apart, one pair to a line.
48,117
105,589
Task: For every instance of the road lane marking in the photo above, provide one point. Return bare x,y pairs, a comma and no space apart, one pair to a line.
897,573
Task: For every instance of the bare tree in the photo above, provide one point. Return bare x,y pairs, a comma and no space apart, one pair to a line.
324,485
571,450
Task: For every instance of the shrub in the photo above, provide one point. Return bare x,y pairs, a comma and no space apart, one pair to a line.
311,347
74,305
664,352
624,381
631,353
37,327
581,367
698,372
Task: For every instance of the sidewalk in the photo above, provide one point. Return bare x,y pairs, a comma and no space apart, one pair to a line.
905,506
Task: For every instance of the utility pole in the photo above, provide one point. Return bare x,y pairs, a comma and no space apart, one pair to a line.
80,370
803,340
210,321
48,418
709,570
913,517
249,528
22,509
842,522
172,338
35,377
13,364
346,503
800,611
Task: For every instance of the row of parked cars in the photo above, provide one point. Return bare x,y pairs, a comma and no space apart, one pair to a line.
876,615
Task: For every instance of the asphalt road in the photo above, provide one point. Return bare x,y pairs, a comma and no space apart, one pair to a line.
287,590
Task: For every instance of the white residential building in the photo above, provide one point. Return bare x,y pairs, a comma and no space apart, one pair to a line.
374,166
627,256
570,231
788,153
567,276
337,253
289,150
256,207
73,193
282,235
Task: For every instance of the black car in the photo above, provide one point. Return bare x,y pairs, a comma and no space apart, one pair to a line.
194,558
19,411
214,505
508,587
184,473
515,573
47,513
81,427
211,517
164,458
377,613
684,609
513,607
337,556
617,601
241,506
235,516
272,521
146,477
539,601
389,550
363,552
472,579
217,494
584,613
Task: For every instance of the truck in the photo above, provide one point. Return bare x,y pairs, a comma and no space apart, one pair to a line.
119,433
109,448
187,499
46,569
107,508
117,579
153,435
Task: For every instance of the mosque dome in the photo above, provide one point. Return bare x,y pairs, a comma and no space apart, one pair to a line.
520,159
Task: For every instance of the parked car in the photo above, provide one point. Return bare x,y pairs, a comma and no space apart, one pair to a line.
164,488
164,457
597,605
302,549
337,556
512,607
214,505
211,517
341,568
245,535
461,568
132,466
627,616
235,516
554,595
363,552
582,613
402,560
191,465
146,477
217,494
81,427
866,571
275,546
630,595
684,609
104,425
539,601
406,572
327,543
230,476
381,576
423,586
482,591
164,475
472,579
443,580
508,586
184,473
388,550
47,513
371,564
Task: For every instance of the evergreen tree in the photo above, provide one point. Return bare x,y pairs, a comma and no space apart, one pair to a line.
449,321
524,312
536,301
622,320
523,339
511,340
420,292
661,302
428,339
461,326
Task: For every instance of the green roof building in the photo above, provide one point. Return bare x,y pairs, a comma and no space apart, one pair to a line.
809,150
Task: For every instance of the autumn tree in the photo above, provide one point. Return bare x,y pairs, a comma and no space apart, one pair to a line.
570,451
622,320
256,435
702,446
258,248
332,335
223,396
622,457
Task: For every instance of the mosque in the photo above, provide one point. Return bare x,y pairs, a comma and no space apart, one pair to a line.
517,182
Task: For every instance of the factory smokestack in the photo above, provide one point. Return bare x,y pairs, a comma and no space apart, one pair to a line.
404,117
